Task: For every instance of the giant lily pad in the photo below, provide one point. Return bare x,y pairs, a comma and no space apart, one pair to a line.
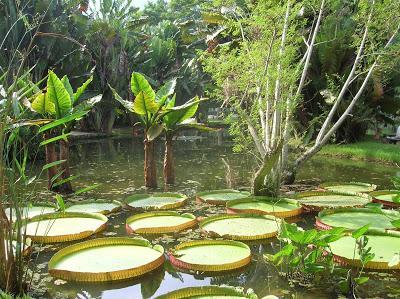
64,227
386,197
279,207
30,211
221,197
210,255
351,187
106,259
95,206
206,292
354,218
385,246
241,226
156,201
159,222
319,200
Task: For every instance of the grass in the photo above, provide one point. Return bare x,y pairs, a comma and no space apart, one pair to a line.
364,150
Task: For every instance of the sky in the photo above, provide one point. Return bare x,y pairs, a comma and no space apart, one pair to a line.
136,3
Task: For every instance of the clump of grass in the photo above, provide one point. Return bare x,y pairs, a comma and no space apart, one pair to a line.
365,150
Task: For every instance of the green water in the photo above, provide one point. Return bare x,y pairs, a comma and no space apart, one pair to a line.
118,165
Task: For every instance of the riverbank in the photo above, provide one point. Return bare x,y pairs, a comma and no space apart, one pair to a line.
365,150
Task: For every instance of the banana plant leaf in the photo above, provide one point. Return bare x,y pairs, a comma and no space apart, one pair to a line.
106,259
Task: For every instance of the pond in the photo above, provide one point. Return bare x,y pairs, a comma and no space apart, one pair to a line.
202,164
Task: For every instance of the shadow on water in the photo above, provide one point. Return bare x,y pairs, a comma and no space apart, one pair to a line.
202,164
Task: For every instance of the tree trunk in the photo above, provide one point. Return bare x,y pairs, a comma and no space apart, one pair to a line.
150,170
66,187
169,167
51,156
267,179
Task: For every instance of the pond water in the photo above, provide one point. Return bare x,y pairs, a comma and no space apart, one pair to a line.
202,164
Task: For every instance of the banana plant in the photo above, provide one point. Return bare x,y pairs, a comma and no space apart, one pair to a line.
150,107
176,119
63,107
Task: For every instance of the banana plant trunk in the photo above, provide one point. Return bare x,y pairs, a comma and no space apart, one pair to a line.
66,187
51,157
150,169
169,163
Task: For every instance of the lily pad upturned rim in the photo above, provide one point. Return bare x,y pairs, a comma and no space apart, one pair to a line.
192,221
372,187
384,202
211,290
67,237
372,265
210,219
167,206
219,191
38,204
319,223
104,276
285,214
117,203
209,268
301,197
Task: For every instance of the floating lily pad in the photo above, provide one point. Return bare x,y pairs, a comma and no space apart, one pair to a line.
351,187
156,201
106,259
64,227
279,207
206,292
386,197
159,222
385,246
210,255
319,200
31,211
221,197
241,226
354,218
95,206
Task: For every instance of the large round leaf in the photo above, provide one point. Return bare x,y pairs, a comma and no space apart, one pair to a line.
95,206
386,197
385,247
106,259
31,211
279,207
241,226
159,222
319,200
351,187
354,218
156,201
205,292
64,227
210,255
221,197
